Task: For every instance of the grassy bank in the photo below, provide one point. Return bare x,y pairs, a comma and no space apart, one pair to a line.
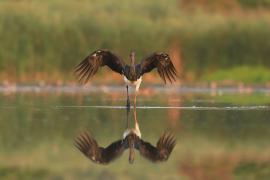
44,40
245,74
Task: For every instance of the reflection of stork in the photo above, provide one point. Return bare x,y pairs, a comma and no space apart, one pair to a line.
159,153
132,74
132,140
90,148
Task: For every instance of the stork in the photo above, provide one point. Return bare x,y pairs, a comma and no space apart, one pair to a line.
132,74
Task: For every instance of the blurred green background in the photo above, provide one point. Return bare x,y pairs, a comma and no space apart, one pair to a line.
222,40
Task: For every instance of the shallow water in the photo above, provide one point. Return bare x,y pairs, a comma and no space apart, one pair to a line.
219,135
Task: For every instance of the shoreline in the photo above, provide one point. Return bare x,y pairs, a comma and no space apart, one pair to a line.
145,89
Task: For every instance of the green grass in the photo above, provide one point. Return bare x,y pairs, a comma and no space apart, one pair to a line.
244,99
51,37
252,170
227,4
246,74
255,3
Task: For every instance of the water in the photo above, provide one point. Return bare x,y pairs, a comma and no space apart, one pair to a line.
219,135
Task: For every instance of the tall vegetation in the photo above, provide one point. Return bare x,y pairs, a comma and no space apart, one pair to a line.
39,37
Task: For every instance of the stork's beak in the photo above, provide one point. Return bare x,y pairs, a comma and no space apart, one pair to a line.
131,152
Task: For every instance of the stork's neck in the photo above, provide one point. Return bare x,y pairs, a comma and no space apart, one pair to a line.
132,60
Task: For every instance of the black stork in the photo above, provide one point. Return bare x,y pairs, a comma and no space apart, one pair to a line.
132,73
132,140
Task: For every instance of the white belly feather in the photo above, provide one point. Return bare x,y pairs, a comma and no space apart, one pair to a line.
136,83
135,131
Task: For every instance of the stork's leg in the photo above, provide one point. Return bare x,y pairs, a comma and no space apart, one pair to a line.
128,110
135,96
128,101
137,129
128,123
134,108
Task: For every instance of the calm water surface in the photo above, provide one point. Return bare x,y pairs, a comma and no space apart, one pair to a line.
219,135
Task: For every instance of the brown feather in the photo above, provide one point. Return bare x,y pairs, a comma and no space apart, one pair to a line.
91,64
163,63
90,148
161,73
161,152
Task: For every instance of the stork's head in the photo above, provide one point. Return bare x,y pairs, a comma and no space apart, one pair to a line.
132,58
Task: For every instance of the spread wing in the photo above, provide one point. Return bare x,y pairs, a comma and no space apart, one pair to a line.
162,150
90,65
89,147
163,63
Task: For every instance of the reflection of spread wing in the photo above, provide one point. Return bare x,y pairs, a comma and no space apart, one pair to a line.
159,153
90,65
89,147
163,63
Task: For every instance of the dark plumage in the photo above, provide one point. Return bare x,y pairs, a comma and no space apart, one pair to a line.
162,150
162,62
89,147
90,65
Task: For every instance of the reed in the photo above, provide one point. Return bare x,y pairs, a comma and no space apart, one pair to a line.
51,37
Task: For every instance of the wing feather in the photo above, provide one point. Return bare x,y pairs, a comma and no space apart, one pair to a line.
90,148
161,152
163,63
91,64
162,74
